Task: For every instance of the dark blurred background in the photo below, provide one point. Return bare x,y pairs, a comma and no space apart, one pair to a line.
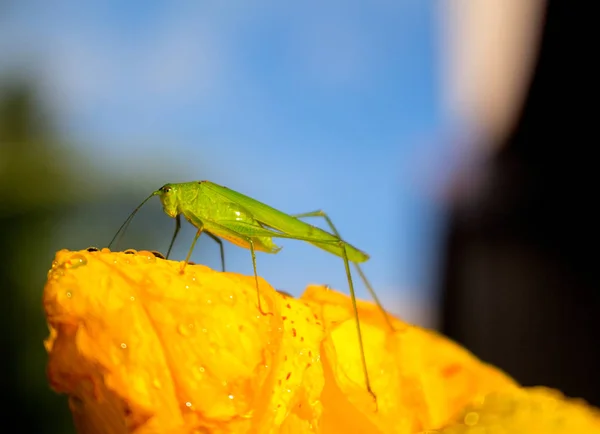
521,287
40,190
450,141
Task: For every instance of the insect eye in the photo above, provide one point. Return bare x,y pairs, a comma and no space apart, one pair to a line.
166,189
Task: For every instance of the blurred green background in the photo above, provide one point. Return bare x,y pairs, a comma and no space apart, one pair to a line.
36,190
40,190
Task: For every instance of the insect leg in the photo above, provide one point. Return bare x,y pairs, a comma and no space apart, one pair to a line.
218,240
251,244
247,232
229,229
355,308
321,213
177,227
187,259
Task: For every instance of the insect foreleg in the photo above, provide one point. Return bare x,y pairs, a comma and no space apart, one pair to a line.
177,227
187,259
322,214
218,240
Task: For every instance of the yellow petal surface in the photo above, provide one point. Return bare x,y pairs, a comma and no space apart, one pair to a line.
532,410
142,348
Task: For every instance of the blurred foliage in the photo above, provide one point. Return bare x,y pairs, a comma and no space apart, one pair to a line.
33,182
41,188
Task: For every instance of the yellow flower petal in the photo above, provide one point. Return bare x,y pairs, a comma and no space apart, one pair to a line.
419,377
142,348
181,351
534,410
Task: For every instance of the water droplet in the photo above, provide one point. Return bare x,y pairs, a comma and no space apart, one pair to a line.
69,294
199,372
147,256
186,329
76,260
471,418
228,298
230,396
188,404
204,330
132,298
123,345
157,254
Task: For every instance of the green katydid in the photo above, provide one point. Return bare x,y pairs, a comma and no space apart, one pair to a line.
223,213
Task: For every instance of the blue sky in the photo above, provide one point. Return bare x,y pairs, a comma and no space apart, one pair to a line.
333,105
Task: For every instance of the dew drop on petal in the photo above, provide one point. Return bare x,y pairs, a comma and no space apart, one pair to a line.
228,298
185,329
146,256
123,345
76,260
199,372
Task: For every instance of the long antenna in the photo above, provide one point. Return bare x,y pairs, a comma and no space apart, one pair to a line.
123,227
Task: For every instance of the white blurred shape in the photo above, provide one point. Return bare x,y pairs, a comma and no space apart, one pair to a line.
489,48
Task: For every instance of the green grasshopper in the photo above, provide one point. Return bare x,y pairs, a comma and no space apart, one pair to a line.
223,213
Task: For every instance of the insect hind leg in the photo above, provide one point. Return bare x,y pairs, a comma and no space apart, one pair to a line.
358,329
323,214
